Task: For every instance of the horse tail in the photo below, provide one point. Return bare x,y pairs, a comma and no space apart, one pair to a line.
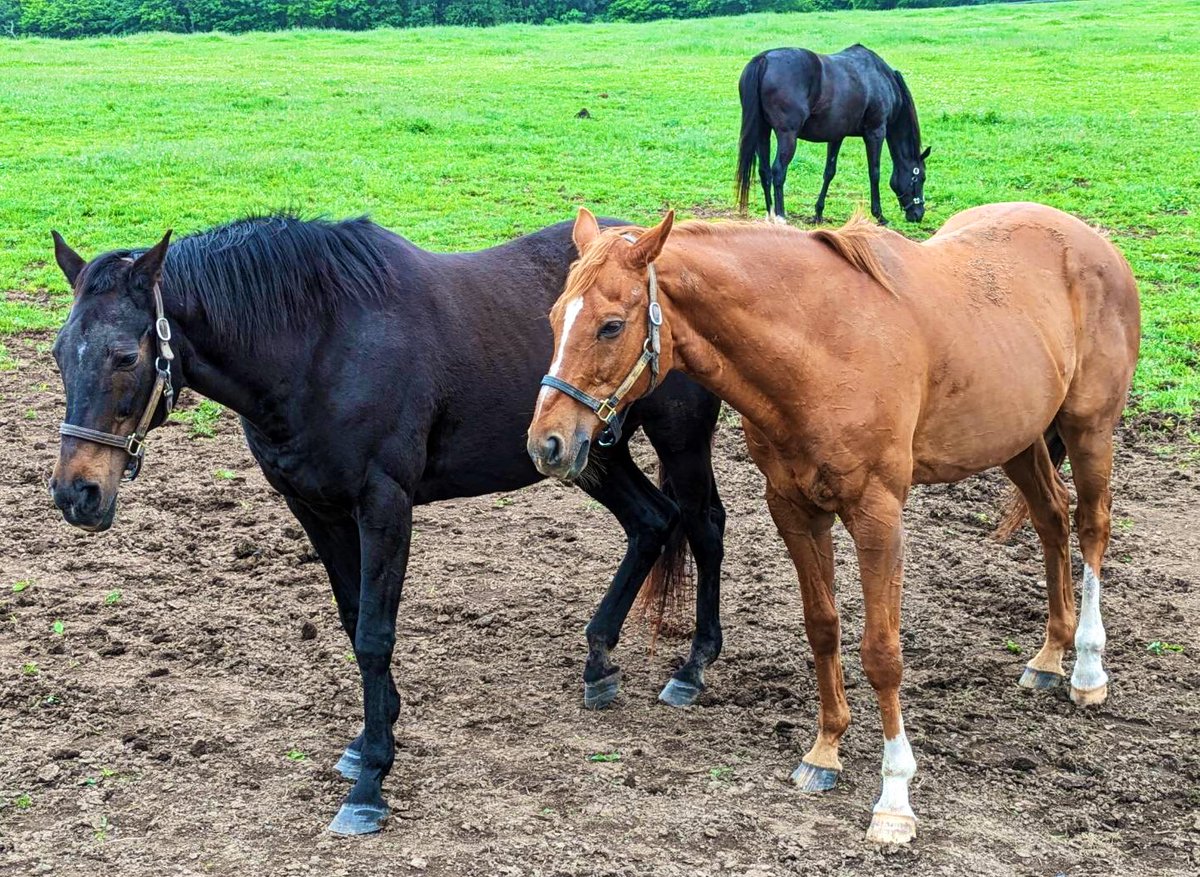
668,591
1015,510
754,126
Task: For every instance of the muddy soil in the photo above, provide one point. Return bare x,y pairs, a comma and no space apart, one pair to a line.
186,718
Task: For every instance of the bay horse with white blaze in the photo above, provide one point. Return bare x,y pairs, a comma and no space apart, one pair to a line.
863,363
825,99
368,381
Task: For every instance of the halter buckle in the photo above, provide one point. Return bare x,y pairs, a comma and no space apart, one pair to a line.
607,411
656,317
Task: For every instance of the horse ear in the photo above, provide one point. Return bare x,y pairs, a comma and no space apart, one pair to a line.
586,229
68,260
650,244
925,154
148,266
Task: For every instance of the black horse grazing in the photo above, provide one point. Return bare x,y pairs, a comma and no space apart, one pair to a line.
372,376
825,99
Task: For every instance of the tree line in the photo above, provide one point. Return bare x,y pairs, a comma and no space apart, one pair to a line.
79,18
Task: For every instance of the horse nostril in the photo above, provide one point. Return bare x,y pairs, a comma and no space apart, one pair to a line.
552,449
87,495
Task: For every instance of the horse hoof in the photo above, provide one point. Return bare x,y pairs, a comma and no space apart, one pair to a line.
1040,680
599,694
892,828
810,778
359,819
349,765
1089,697
679,694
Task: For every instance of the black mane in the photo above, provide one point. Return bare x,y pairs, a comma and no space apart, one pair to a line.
905,117
255,276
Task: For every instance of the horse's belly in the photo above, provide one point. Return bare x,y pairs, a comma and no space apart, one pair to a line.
985,407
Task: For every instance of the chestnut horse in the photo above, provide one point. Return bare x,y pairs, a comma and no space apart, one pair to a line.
862,363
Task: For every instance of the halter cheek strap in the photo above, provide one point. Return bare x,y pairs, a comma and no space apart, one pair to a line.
135,444
606,409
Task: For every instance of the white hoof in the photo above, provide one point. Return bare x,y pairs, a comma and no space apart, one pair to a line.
892,828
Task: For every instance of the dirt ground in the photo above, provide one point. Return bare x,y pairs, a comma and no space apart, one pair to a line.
190,726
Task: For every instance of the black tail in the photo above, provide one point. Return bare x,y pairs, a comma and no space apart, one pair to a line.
1015,509
669,591
754,127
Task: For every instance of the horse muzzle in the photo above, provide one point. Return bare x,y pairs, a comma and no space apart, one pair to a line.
83,505
559,457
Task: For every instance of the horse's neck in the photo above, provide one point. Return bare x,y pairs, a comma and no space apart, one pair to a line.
713,287
214,367
901,137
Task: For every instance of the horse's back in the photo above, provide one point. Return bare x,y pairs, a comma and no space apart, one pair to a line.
1027,312
826,97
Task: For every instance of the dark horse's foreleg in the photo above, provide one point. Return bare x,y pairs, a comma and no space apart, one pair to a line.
784,152
335,539
874,141
385,532
688,479
647,517
831,156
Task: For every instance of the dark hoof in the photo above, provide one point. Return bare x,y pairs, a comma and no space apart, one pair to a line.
811,778
1039,680
359,819
678,693
349,765
599,694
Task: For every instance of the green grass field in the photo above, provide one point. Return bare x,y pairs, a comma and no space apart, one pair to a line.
462,138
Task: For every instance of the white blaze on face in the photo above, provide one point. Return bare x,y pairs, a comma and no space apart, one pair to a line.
81,350
573,308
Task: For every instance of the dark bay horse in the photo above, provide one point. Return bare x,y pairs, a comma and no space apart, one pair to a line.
825,99
372,376
1011,331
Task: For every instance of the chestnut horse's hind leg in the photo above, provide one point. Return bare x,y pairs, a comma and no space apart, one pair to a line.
1035,475
875,524
1090,451
807,531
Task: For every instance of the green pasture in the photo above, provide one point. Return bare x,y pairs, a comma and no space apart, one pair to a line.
461,138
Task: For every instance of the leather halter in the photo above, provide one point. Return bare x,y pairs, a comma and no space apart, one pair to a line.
606,409
135,445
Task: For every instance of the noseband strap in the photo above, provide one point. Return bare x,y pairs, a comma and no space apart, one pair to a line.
606,409
135,444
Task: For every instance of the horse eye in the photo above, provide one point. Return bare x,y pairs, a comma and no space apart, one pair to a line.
125,360
611,329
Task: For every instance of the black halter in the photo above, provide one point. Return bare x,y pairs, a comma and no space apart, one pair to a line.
135,445
606,409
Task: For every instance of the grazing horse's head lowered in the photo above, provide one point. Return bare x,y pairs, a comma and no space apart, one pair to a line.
908,182
114,356
623,334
